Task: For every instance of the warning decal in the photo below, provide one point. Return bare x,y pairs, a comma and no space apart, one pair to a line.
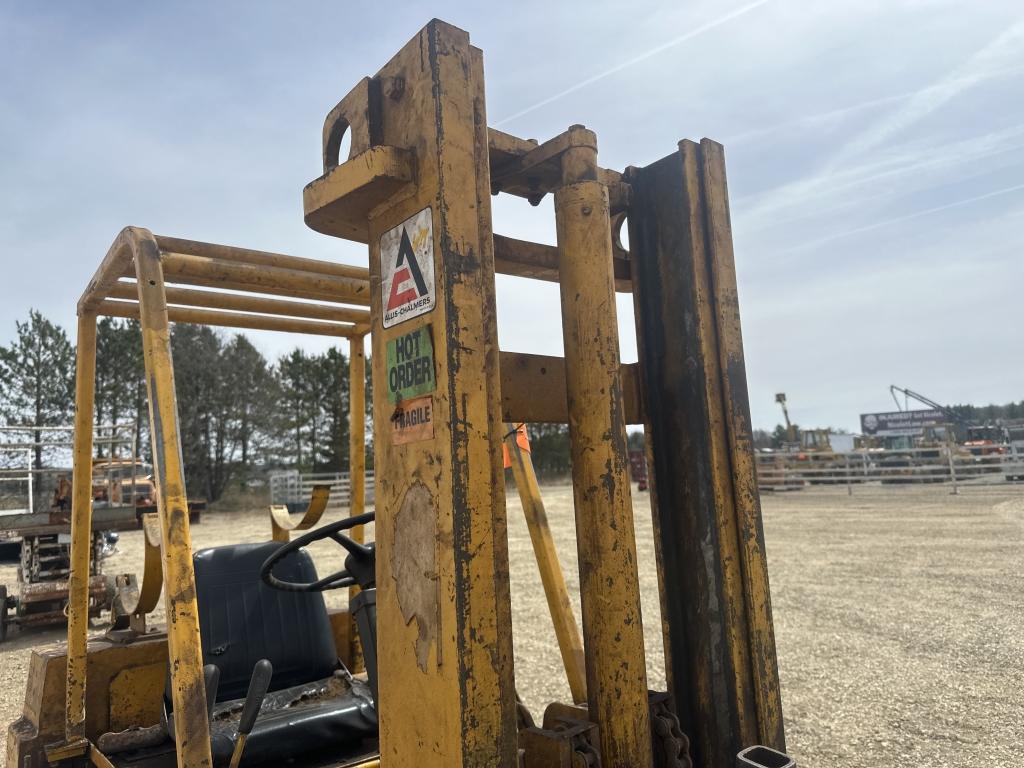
413,420
410,365
407,269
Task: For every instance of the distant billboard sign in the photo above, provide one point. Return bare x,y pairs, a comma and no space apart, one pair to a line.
900,422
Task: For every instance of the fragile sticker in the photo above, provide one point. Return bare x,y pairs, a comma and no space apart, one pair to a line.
413,420
410,359
407,269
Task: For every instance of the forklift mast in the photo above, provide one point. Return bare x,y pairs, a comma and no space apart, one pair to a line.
416,187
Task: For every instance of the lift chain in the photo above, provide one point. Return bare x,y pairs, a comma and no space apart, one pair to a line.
584,755
670,745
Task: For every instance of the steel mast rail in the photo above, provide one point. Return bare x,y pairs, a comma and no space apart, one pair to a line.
415,186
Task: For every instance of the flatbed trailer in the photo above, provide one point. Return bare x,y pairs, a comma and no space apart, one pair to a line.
41,594
43,533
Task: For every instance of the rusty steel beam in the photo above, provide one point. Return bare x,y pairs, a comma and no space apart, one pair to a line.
533,389
720,654
740,446
356,468
188,694
526,168
443,587
609,581
522,258
81,529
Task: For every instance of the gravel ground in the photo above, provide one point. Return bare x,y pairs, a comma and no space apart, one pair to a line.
899,620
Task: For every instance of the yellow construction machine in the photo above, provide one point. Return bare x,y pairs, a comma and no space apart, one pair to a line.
251,667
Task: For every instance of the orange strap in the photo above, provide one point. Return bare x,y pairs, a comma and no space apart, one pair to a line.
522,440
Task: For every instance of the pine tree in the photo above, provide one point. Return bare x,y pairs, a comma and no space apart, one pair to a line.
202,399
37,377
255,391
333,405
120,378
294,372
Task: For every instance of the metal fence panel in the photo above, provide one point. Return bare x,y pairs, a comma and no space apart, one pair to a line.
291,487
995,466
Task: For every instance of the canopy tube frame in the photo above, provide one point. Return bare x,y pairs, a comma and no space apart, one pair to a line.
141,277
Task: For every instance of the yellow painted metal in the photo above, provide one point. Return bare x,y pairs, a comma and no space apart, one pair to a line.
540,262
115,264
81,528
98,759
236,753
242,303
42,717
185,653
357,432
67,750
202,270
609,584
734,622
231,319
447,695
136,695
570,644
340,201
228,268
533,389
356,466
420,142
260,258
281,523
342,631
755,587
152,574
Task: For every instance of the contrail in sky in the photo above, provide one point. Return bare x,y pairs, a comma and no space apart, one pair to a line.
983,65
909,216
996,58
695,32
835,115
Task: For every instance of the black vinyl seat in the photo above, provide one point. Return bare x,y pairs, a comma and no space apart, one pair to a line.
311,701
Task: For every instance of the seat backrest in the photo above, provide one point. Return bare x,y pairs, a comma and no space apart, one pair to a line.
242,620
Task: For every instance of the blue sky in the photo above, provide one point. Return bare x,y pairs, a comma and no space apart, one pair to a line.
875,152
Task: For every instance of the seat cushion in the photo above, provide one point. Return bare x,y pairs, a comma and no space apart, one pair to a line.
242,620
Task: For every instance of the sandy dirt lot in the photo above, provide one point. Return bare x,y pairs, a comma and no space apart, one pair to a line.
899,620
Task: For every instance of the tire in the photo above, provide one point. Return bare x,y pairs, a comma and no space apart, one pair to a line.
3,613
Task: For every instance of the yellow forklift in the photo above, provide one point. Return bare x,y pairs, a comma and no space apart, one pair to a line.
252,669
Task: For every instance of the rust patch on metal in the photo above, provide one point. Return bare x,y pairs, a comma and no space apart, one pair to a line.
414,567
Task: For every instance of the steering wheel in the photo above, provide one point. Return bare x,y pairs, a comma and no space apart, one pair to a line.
360,563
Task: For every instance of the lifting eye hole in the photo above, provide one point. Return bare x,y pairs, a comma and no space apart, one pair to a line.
620,233
339,146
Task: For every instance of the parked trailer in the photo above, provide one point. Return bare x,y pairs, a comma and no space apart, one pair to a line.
37,519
